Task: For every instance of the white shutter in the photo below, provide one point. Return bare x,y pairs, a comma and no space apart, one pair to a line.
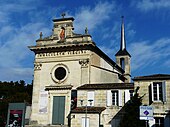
152,91
127,95
120,98
90,96
164,91
109,98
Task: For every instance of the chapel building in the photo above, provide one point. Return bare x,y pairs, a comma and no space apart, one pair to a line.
75,83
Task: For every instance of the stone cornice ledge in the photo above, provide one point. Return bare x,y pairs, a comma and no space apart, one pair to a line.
56,87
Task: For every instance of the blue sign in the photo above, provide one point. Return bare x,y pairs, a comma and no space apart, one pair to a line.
146,112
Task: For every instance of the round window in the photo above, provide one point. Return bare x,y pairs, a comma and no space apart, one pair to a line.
59,73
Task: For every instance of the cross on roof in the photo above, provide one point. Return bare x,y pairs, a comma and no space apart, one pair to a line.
63,14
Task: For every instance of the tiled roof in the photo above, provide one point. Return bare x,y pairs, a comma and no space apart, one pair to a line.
107,86
90,109
152,77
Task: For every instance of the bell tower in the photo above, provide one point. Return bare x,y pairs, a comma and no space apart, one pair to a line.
122,56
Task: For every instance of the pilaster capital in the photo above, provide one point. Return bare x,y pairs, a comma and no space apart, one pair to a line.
37,66
84,62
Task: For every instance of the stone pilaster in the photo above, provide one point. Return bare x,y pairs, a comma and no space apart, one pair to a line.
84,71
35,94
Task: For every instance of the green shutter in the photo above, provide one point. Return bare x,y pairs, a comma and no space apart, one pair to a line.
58,110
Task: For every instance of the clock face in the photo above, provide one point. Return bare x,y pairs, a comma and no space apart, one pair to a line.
59,73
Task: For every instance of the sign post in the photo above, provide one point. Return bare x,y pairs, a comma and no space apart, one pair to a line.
146,113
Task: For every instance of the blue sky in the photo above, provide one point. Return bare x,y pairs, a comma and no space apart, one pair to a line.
147,29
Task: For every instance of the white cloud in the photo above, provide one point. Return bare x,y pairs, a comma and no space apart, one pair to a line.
107,50
13,8
15,56
15,49
147,5
16,74
14,52
146,53
93,17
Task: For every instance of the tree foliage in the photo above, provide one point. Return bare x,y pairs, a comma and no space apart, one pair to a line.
11,92
131,112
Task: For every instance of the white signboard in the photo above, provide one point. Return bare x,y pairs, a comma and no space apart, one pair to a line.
43,101
146,112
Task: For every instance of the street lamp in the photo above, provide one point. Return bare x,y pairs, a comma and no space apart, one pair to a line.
81,102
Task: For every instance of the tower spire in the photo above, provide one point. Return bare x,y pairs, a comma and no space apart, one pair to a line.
123,43
122,56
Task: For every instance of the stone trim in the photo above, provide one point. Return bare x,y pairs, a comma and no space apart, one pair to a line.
47,88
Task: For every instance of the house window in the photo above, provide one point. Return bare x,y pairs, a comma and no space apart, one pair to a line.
158,91
114,97
159,122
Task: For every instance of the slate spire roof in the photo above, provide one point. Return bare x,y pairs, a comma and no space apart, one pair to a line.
122,50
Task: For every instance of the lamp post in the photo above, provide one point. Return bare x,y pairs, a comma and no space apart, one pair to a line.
81,102
86,117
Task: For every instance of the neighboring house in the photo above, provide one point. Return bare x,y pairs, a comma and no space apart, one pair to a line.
156,91
99,103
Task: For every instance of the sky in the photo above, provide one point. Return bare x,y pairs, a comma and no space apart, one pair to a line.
147,31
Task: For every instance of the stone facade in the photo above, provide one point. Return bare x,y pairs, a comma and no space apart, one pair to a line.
65,62
161,106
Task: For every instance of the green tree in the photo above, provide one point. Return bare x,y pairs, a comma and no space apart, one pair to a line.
13,92
131,112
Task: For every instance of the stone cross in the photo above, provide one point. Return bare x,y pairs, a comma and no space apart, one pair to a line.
63,14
